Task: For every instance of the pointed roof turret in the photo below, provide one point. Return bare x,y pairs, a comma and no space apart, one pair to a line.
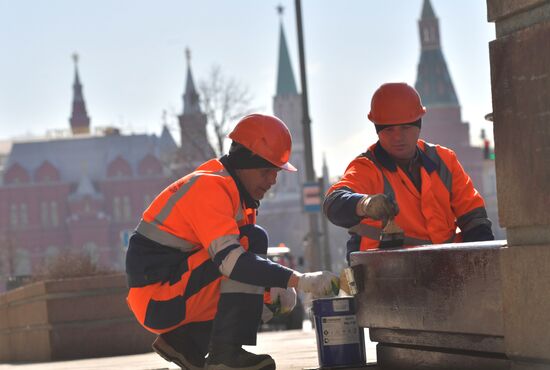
85,187
79,120
433,80
190,97
195,148
427,10
167,142
286,85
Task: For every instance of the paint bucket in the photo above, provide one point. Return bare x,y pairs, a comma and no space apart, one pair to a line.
340,341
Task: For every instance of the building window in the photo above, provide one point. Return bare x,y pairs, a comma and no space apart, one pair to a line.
23,214
22,263
54,214
44,213
48,214
126,209
52,253
92,251
426,35
14,216
117,214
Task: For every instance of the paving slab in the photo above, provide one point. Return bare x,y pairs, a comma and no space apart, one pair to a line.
291,349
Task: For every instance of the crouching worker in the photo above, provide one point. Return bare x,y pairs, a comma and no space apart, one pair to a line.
196,263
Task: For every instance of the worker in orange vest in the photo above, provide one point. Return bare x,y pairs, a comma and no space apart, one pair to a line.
196,264
421,186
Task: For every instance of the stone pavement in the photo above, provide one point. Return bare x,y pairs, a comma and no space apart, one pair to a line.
292,349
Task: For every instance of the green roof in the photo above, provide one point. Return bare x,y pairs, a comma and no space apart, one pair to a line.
286,85
433,81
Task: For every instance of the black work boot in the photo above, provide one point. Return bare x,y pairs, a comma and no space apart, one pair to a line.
231,356
179,351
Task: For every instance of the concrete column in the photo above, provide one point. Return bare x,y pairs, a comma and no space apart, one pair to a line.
520,79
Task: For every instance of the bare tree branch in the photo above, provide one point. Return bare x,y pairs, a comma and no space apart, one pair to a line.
223,101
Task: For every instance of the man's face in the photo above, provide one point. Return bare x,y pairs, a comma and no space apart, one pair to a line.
400,140
257,181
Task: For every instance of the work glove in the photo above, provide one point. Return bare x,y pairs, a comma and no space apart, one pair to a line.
319,284
378,207
283,299
282,302
267,314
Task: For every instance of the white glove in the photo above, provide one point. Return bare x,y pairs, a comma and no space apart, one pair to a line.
319,284
282,302
267,314
283,298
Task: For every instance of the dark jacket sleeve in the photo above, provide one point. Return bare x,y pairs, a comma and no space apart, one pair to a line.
478,234
253,269
339,207
148,262
466,202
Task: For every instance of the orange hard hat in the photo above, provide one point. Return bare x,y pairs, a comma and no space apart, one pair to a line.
266,136
395,103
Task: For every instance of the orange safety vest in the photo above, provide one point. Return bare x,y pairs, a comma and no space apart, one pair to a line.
201,214
428,216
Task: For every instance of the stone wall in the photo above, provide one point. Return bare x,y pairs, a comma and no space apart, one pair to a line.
68,319
520,79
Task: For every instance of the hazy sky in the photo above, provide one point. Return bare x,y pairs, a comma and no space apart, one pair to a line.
132,62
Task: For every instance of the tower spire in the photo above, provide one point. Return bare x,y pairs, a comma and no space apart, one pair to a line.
79,120
427,10
195,148
433,80
286,85
190,96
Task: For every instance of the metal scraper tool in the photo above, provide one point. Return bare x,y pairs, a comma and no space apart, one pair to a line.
392,236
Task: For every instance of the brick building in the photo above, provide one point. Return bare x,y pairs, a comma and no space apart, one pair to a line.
85,192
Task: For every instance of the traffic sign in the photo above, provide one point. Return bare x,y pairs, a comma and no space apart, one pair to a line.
311,197
125,237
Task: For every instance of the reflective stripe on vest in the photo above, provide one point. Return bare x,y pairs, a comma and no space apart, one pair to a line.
388,189
240,215
221,243
171,203
442,169
151,230
230,260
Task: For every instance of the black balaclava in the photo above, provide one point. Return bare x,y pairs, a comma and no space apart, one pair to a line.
240,157
417,123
